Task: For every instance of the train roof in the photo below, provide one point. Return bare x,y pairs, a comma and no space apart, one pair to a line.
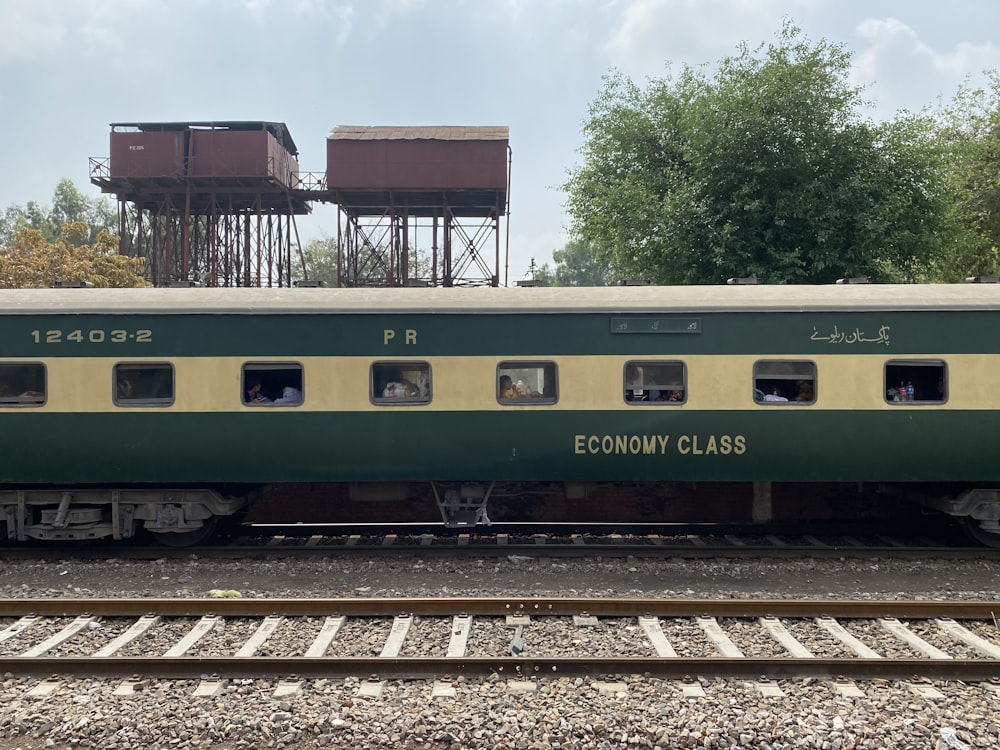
631,299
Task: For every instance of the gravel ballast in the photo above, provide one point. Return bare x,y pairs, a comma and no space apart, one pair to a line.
616,711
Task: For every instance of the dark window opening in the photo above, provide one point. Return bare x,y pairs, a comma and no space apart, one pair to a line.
784,381
525,383
22,384
916,380
273,384
145,384
401,383
655,383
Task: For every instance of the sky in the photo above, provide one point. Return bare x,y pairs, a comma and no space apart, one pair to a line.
70,68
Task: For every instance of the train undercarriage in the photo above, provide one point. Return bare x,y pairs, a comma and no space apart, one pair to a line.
190,515
174,517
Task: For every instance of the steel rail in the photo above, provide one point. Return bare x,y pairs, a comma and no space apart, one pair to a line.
520,667
493,550
499,606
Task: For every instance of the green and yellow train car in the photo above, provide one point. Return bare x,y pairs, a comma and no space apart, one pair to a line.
145,407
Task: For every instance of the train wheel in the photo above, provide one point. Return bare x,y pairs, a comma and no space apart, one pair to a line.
188,538
973,529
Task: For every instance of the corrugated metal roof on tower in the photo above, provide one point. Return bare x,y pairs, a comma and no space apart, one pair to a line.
420,132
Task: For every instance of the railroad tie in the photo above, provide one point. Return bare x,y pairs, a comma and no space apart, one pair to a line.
461,627
331,626
61,637
394,643
902,632
205,624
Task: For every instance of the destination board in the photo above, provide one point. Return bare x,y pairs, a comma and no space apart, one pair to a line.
656,325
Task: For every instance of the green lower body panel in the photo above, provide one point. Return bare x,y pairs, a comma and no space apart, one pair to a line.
545,445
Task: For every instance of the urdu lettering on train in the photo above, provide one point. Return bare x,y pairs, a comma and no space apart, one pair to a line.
659,445
857,336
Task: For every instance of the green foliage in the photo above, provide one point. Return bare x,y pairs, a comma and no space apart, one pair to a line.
969,129
580,263
321,262
69,205
543,275
320,258
765,169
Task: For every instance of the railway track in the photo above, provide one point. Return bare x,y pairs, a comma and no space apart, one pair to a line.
289,641
691,545
306,541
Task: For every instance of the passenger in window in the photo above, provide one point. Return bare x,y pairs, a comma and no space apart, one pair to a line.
524,390
256,396
289,395
805,391
672,395
401,389
507,387
125,389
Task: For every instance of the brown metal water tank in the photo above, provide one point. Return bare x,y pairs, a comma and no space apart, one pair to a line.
417,158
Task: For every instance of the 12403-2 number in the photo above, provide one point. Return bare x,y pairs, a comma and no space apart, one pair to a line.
93,336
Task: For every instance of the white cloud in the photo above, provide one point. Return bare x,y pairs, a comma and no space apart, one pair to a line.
901,68
54,31
653,32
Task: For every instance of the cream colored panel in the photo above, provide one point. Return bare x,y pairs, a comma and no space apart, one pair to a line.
720,382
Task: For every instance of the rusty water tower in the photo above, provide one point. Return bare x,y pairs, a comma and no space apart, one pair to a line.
206,202
419,206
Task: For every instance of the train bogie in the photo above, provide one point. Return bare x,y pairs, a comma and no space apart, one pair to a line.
176,517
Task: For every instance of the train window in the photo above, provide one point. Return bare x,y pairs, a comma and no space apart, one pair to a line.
273,384
144,384
400,383
527,383
654,382
784,381
922,380
22,384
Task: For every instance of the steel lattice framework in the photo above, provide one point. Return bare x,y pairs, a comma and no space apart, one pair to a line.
419,206
222,245
214,203
210,203
396,248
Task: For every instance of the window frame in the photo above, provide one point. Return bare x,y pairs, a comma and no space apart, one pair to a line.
662,388
272,366
11,401
760,394
130,403
916,364
549,371
377,383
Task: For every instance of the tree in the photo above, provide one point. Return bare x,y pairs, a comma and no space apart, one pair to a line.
69,206
542,275
321,261
970,130
33,261
580,263
765,169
